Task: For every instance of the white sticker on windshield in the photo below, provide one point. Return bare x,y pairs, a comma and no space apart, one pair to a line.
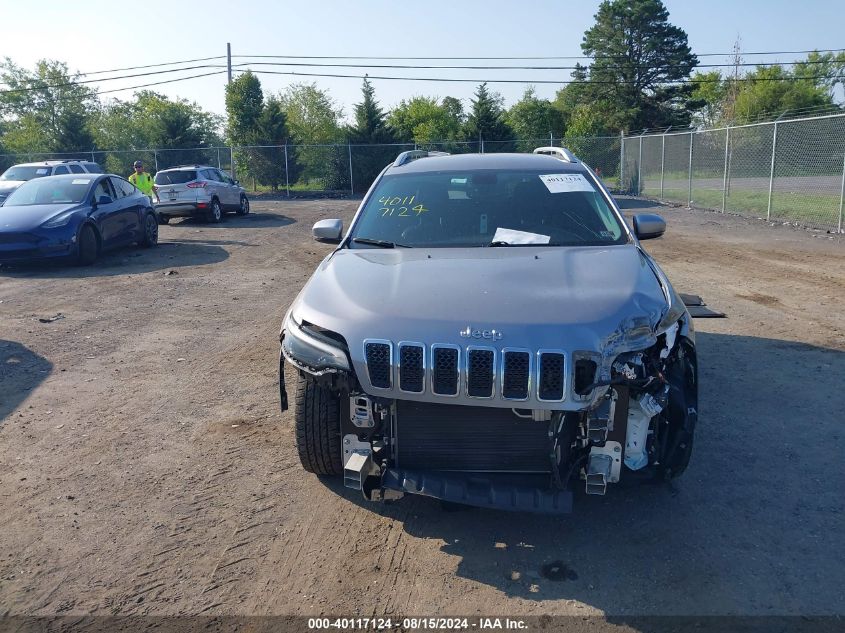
511,236
81,181
41,171
565,183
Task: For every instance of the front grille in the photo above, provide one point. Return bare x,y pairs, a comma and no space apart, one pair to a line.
411,368
480,373
444,371
378,363
517,375
585,373
433,436
551,381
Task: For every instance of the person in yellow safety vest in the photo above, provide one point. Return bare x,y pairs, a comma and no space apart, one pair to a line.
143,181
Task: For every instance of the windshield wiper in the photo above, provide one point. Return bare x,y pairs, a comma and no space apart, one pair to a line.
381,243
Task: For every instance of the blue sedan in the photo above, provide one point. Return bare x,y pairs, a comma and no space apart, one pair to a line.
76,216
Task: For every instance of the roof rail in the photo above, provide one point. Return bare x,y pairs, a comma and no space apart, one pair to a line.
406,157
59,161
558,152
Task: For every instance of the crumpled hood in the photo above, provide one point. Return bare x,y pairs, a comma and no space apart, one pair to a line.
576,298
27,218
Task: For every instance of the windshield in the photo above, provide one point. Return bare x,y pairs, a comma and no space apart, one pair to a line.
488,208
25,172
50,191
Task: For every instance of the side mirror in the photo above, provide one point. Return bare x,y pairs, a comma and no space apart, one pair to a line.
648,226
329,231
104,200
237,182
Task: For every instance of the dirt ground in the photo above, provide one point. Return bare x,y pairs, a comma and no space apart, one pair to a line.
145,467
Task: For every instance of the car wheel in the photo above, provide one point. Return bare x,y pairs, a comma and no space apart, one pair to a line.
317,423
215,211
164,219
244,208
150,237
89,247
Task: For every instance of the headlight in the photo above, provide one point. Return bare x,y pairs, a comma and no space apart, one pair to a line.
59,220
311,354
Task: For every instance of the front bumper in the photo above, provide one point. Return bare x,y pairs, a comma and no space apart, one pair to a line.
22,251
499,491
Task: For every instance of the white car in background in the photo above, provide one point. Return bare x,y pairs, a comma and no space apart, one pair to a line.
16,175
198,190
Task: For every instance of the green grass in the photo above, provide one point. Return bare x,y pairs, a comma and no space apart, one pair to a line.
818,209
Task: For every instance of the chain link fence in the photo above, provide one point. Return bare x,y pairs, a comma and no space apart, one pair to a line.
790,171
784,171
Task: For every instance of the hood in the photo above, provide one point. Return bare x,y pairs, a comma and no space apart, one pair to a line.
27,218
8,186
575,298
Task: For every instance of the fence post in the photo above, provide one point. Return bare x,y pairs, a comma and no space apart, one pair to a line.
725,174
218,158
841,195
662,161
155,159
689,190
772,171
92,156
551,139
640,168
287,180
351,184
621,159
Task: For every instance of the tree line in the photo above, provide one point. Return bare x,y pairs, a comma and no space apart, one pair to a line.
641,75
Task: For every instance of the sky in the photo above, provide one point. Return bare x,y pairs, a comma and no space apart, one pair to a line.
109,35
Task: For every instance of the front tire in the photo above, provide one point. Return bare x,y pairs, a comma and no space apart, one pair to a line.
215,212
150,237
243,209
89,246
317,422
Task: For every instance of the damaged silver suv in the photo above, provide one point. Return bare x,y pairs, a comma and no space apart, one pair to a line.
490,332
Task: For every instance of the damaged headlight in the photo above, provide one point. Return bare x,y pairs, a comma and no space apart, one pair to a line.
310,353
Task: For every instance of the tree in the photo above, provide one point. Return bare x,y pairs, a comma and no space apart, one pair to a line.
424,121
707,98
638,57
244,106
42,103
269,164
486,121
313,119
370,128
533,119
769,91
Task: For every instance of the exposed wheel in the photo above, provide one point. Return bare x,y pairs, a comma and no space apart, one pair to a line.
164,219
244,208
215,211
317,422
150,237
89,247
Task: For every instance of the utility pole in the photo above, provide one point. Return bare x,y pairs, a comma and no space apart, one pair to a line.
228,82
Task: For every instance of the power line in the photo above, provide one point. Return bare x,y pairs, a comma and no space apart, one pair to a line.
440,67
522,81
89,81
184,61
823,50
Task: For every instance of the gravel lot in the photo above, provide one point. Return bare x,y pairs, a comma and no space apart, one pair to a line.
145,467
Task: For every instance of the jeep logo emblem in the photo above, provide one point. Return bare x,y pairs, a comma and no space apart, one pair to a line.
471,332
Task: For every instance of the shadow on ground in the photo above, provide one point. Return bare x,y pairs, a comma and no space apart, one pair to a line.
754,527
130,260
251,221
21,371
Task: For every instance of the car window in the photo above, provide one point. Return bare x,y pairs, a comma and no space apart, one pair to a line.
76,169
60,170
480,207
103,188
123,187
222,176
211,174
49,191
93,168
25,172
175,177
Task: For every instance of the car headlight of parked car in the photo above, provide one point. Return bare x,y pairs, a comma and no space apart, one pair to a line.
60,220
311,351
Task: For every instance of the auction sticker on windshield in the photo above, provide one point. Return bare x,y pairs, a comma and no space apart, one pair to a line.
566,183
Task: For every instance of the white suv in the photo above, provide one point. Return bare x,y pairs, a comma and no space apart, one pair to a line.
198,190
16,175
